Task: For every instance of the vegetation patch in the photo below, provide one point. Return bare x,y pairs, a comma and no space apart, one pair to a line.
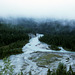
45,59
61,70
53,47
13,48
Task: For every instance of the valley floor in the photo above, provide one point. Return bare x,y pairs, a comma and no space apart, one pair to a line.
37,58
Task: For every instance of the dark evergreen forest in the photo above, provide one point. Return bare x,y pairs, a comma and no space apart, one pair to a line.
12,39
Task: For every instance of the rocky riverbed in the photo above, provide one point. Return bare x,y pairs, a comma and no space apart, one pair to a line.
37,58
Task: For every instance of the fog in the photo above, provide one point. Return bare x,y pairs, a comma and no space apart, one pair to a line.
61,9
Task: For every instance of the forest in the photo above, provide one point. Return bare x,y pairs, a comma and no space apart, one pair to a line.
65,41
12,39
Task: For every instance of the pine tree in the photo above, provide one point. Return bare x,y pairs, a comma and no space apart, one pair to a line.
30,73
48,72
70,72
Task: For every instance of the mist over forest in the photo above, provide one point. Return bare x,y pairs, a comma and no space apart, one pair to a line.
48,26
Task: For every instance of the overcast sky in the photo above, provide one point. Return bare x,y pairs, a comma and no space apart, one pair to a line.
38,8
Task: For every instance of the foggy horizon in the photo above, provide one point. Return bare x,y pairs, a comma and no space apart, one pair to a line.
58,9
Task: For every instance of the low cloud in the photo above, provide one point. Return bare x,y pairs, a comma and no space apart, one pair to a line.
38,8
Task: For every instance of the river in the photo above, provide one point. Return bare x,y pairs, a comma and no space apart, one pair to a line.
24,64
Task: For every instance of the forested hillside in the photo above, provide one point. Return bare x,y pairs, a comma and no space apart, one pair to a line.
12,39
65,41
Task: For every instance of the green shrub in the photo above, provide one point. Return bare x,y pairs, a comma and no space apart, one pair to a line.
53,47
61,70
7,69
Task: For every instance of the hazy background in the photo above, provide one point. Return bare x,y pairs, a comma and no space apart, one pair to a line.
62,9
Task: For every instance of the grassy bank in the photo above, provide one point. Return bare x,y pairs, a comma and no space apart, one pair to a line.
45,59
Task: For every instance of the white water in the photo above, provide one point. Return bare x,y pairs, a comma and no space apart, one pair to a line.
35,45
20,60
